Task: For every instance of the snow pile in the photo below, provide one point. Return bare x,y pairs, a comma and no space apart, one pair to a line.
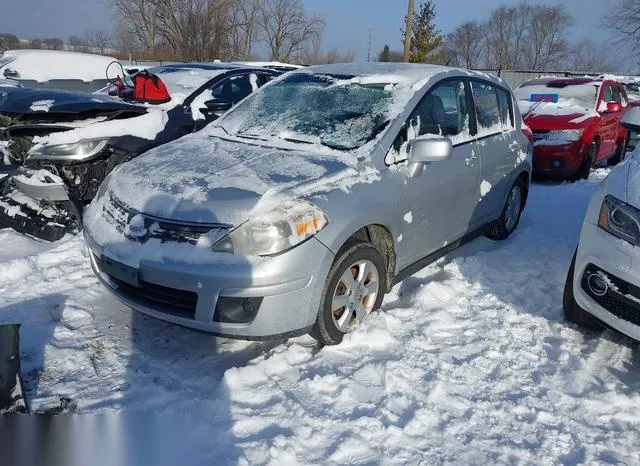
46,65
41,105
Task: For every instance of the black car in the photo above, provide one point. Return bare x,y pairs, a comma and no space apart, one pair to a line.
56,147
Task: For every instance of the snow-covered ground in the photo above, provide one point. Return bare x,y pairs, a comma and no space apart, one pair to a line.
468,362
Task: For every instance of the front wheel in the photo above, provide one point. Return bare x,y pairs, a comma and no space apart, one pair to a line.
587,163
353,290
511,212
572,311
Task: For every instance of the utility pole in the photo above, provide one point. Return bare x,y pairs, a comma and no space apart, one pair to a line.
408,33
369,47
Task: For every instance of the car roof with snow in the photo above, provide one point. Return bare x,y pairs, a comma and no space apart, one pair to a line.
414,73
182,79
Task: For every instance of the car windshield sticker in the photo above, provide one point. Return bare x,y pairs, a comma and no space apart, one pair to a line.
545,98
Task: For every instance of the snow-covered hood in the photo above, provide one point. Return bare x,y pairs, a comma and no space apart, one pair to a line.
208,179
545,121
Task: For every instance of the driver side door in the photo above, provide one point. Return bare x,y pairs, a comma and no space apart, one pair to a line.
437,206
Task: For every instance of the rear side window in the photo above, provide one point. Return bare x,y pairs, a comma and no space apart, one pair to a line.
487,107
506,113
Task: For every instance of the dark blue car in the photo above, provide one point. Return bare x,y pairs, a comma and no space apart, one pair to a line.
56,147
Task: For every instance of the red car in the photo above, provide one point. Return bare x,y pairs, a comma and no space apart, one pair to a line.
575,123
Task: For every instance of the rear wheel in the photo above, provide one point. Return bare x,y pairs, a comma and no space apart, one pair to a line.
511,212
353,290
572,311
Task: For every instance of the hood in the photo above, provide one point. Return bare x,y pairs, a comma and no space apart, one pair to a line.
548,116
544,121
18,100
209,179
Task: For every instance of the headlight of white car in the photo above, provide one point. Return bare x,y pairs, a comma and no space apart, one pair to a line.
620,219
275,231
82,150
564,135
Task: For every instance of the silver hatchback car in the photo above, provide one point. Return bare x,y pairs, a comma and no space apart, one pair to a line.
302,206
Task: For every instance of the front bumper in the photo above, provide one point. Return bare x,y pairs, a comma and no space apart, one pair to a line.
558,160
617,261
287,289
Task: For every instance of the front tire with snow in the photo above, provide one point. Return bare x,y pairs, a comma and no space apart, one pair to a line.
511,212
572,311
353,290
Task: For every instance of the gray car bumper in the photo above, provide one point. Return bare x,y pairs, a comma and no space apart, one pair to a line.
288,288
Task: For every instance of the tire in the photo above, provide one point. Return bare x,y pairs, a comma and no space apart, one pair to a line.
619,155
572,311
509,219
359,257
589,160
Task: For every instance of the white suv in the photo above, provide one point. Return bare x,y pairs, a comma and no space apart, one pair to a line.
603,283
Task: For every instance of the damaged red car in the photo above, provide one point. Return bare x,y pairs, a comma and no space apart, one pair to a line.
575,124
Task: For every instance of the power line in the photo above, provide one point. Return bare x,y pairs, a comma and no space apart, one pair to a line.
369,46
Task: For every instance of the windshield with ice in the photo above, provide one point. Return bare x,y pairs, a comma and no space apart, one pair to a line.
341,112
581,97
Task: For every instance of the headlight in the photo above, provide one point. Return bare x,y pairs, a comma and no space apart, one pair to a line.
565,135
275,231
620,219
82,150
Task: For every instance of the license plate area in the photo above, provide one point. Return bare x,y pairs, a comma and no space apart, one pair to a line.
119,271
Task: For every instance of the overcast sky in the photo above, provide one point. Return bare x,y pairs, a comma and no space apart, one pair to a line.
348,21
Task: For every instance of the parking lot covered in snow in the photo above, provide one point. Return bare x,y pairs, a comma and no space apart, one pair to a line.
468,361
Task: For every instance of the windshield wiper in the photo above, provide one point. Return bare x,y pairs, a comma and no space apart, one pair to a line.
250,136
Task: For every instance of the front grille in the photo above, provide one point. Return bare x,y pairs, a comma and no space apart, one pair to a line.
180,303
618,298
155,228
540,134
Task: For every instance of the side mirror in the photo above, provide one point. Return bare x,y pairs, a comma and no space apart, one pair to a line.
427,150
10,73
216,106
613,107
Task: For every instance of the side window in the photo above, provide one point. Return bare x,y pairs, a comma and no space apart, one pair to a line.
506,112
608,94
235,88
242,86
488,111
442,111
623,94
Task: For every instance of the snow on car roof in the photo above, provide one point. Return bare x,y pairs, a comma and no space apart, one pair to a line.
562,81
46,65
416,74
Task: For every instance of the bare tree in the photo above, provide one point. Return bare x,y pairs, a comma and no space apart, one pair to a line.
464,46
505,33
315,55
546,43
623,21
243,27
287,27
53,43
140,17
9,42
98,41
590,57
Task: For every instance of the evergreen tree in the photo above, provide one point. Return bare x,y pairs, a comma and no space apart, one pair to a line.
427,39
385,55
